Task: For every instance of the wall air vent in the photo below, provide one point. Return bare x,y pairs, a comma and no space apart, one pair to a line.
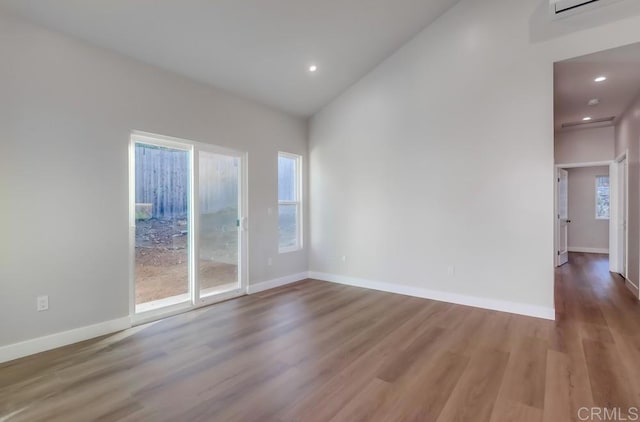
603,122
562,8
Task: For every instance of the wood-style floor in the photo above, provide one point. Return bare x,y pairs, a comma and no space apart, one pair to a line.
316,351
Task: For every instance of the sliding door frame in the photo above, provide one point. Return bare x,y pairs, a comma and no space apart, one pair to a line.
195,301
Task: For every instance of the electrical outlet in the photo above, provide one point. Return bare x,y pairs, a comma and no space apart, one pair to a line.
269,262
451,270
42,303
344,258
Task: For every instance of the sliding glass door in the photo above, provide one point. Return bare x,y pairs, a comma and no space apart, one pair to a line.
162,226
187,204
219,218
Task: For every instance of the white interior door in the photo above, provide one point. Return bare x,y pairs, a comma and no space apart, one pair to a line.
562,217
622,219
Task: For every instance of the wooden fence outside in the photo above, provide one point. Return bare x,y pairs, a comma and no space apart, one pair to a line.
162,180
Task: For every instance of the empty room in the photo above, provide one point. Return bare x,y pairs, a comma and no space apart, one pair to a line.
241,210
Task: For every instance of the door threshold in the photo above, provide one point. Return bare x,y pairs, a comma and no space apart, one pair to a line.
152,315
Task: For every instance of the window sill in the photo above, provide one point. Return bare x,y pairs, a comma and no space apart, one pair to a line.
289,250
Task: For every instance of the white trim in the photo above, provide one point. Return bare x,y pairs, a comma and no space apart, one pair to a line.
132,226
478,302
632,287
588,250
167,302
193,209
587,164
53,341
623,258
181,143
622,156
614,217
618,229
276,282
556,229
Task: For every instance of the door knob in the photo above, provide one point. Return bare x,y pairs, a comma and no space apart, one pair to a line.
568,221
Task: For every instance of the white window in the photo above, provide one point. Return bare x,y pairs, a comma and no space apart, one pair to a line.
602,197
289,202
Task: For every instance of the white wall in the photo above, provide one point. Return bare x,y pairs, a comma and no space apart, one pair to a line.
628,139
585,145
443,155
66,112
585,231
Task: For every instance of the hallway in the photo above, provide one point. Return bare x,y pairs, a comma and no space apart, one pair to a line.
597,335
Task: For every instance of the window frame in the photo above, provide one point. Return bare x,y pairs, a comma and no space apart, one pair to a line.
299,245
596,197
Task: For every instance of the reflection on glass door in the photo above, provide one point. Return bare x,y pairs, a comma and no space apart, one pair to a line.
161,226
219,220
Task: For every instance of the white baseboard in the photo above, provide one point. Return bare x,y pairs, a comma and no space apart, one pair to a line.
53,341
587,250
42,344
632,286
276,282
478,302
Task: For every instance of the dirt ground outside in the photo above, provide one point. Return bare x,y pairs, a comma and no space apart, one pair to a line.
162,255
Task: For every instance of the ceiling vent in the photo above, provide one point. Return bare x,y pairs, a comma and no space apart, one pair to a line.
605,122
563,8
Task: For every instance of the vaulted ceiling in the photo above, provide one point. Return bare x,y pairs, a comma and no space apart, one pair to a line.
260,49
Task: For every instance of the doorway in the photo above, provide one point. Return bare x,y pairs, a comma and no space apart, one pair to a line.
583,209
596,104
188,220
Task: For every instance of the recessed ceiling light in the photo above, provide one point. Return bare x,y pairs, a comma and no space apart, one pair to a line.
313,68
586,119
600,79
593,102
